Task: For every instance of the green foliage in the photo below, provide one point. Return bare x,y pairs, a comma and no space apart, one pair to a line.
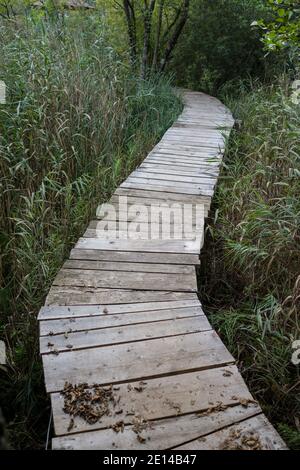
76,123
283,31
250,274
219,45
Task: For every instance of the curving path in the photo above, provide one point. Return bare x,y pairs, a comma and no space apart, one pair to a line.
123,321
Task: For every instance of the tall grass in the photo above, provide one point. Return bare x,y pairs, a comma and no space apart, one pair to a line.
251,270
75,124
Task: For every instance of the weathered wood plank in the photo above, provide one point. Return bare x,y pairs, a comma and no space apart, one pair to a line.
132,257
136,361
126,280
150,246
72,340
204,168
162,398
59,295
181,181
162,435
156,197
161,185
182,149
183,153
150,176
255,431
147,232
180,170
73,324
73,312
167,187
128,267
170,160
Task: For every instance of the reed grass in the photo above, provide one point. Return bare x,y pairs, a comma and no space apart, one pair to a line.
250,277
75,125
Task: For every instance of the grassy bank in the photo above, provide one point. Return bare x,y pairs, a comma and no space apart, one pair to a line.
75,124
250,268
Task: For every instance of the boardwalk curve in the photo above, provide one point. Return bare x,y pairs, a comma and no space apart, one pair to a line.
123,321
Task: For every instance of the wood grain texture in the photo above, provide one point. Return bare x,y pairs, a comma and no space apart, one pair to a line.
135,361
164,434
256,430
163,397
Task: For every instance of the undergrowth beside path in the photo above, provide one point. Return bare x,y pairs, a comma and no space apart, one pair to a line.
250,278
76,123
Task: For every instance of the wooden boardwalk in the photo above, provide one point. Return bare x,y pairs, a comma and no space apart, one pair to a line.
130,359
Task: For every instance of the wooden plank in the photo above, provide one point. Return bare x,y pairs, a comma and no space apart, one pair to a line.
206,161
73,324
73,312
180,170
176,152
167,229
122,334
255,431
126,280
160,199
202,142
148,232
205,146
162,435
59,295
208,124
173,175
184,162
177,189
143,196
128,267
167,185
132,257
149,196
201,131
166,179
201,151
136,361
142,215
200,170
162,398
199,158
150,246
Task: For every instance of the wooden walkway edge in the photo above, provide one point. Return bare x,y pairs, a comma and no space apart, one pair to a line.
130,359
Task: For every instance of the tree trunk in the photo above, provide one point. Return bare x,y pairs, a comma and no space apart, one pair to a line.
175,36
131,28
158,34
148,13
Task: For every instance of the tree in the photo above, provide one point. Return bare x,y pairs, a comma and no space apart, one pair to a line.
283,31
153,28
219,45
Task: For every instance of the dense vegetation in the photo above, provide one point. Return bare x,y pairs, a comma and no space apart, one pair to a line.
250,278
75,124
85,103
